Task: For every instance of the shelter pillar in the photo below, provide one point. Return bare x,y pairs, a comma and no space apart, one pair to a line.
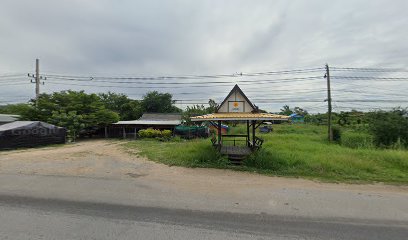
253,133
124,132
219,133
106,132
248,135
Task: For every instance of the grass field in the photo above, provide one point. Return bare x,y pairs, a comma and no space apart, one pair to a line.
291,150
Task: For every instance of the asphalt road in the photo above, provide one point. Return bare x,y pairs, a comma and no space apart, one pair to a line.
37,218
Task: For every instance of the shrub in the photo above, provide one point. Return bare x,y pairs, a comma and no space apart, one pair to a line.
357,140
166,134
336,133
154,133
390,128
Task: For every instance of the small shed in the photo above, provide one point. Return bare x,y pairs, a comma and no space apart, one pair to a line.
30,134
8,118
236,107
296,118
147,120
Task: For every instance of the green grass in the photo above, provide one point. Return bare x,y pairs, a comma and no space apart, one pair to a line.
290,150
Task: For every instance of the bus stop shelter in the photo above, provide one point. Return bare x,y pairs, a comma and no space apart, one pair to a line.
236,107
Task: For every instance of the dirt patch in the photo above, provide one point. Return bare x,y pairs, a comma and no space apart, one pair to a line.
96,158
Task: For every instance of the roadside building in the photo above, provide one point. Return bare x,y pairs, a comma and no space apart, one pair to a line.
159,121
296,118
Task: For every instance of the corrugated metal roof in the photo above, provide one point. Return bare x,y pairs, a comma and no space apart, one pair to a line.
239,116
160,116
150,122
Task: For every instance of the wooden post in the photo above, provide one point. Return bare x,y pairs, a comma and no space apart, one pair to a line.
219,133
253,133
106,132
248,137
135,133
124,132
329,105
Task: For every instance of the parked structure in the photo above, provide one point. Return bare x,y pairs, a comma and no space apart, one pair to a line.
236,107
296,118
30,134
8,118
148,120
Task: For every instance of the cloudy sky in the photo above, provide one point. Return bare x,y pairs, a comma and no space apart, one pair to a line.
91,38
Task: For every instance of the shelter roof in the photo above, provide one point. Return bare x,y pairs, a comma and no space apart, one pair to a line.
236,89
240,117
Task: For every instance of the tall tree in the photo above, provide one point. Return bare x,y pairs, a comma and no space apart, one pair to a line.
156,102
128,109
285,110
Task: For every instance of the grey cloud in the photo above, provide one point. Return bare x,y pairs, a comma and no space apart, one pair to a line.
199,37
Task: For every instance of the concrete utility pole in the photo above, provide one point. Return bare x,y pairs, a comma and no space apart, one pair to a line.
329,102
37,78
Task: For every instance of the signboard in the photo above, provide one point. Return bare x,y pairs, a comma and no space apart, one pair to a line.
236,106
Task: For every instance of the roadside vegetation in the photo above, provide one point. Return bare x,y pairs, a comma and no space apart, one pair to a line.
295,150
368,146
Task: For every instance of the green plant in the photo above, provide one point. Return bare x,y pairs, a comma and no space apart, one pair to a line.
336,131
357,140
166,134
155,133
390,128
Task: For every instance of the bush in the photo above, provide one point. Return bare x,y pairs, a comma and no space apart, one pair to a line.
336,133
390,128
357,140
166,134
154,133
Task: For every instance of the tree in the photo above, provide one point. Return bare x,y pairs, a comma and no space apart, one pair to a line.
212,106
285,110
390,128
128,109
192,111
17,109
156,102
77,111
71,121
300,111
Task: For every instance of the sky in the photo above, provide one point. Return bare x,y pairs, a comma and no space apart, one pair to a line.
89,39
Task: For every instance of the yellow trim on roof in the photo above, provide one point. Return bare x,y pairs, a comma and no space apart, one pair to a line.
239,116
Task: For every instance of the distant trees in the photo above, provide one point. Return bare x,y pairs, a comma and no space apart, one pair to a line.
17,109
128,109
197,109
286,110
159,103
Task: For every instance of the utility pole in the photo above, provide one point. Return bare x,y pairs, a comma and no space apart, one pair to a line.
329,102
37,78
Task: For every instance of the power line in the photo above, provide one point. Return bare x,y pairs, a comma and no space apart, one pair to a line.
372,78
234,75
368,69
